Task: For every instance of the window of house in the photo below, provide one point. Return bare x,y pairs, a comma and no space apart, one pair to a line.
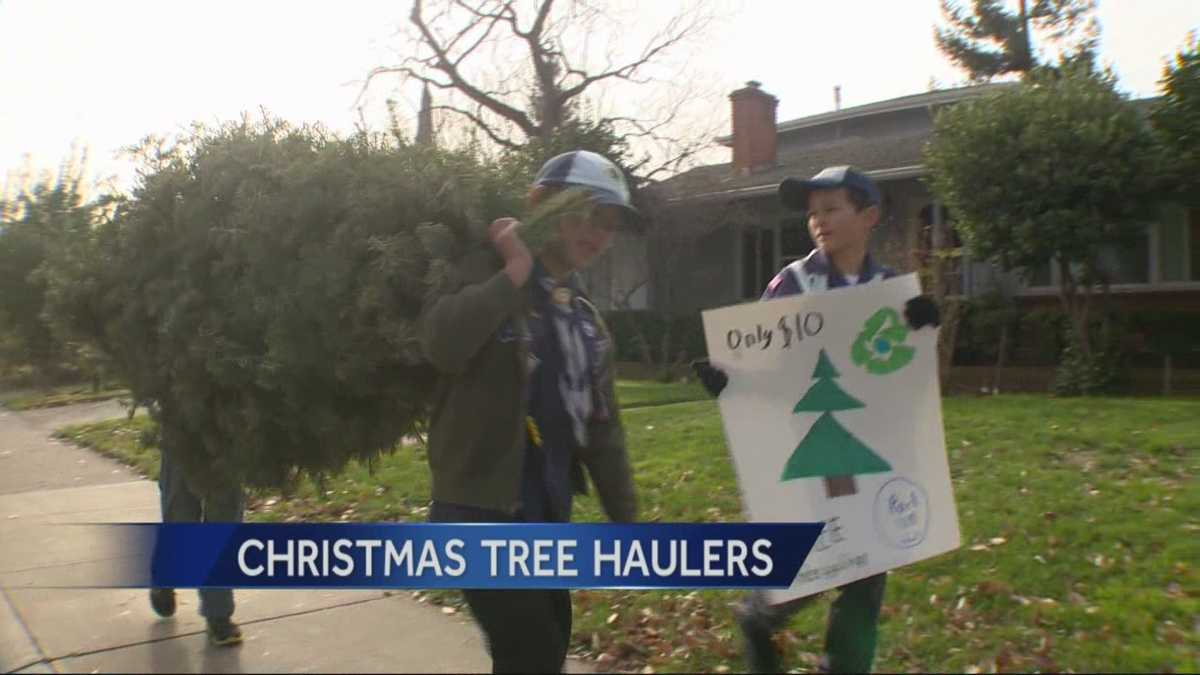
1041,275
1127,262
758,260
1194,242
794,240
953,270
1173,245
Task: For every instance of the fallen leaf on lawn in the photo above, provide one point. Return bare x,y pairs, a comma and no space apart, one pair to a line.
648,670
612,618
979,547
1039,558
449,610
933,599
809,659
993,587
1050,515
1175,591
721,669
962,604
997,541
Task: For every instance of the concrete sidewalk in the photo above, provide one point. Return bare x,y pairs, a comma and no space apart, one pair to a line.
45,485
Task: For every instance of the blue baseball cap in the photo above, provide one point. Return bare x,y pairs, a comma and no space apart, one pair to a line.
595,173
793,192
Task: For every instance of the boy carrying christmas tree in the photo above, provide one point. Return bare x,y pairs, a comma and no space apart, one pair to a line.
525,400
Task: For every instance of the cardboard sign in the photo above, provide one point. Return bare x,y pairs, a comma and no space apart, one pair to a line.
833,413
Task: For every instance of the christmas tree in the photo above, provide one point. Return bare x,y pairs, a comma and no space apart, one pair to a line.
261,289
828,449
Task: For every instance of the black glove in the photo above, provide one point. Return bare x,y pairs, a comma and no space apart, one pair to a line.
714,379
922,311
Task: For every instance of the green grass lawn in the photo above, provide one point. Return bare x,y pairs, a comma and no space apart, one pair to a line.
635,394
59,396
1080,522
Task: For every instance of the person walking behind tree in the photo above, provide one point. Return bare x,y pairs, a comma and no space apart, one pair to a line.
525,399
842,205
185,499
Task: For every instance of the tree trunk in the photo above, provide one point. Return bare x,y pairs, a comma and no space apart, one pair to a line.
1001,356
1026,42
840,486
947,338
1075,310
948,335
1167,374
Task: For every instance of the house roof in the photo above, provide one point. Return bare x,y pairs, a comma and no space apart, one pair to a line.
910,102
882,158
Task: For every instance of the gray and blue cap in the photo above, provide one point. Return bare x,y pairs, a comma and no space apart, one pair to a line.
794,192
595,173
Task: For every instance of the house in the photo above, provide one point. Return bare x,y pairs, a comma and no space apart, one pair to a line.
725,235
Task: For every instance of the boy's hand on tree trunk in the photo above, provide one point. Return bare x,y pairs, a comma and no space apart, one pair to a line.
518,261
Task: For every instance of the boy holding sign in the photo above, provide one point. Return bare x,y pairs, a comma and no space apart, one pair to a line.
842,205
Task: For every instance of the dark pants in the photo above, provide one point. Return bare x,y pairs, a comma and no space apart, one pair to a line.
528,631
850,636
181,505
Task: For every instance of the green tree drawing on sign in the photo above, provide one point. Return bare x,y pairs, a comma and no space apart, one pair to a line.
828,450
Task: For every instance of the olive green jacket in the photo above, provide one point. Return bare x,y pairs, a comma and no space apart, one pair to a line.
477,433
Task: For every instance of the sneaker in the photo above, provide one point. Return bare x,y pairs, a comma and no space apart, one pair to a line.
223,632
758,645
163,601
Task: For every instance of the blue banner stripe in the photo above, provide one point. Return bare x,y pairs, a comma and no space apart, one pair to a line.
474,555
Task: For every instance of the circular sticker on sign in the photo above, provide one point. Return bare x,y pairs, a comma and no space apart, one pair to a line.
902,513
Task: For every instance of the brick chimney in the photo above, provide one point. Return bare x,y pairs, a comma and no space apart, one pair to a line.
753,128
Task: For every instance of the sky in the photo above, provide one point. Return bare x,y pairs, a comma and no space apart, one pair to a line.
101,75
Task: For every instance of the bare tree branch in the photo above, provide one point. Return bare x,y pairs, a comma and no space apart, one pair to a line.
478,121
450,69
667,38
521,70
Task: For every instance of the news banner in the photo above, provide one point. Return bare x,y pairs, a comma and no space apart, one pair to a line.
461,555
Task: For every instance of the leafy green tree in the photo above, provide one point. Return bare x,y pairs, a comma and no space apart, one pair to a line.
260,290
991,40
1177,119
1048,173
37,224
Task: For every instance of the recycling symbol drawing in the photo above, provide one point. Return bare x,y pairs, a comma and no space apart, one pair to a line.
879,347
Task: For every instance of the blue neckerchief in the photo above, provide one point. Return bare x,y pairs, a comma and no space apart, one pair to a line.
563,346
